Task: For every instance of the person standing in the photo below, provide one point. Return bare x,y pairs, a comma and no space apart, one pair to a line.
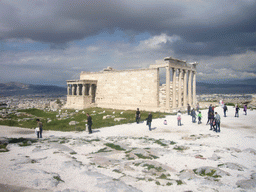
212,122
137,115
245,109
40,125
211,109
237,111
179,118
225,108
193,114
217,122
209,118
189,109
199,117
89,123
149,120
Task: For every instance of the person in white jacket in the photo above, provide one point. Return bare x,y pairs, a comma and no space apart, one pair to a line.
179,118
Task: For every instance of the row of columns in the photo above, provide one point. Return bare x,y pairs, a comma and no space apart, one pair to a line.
187,91
80,89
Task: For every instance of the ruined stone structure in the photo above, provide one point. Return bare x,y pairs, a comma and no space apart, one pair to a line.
138,88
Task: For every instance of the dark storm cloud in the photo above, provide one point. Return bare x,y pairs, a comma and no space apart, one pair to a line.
205,27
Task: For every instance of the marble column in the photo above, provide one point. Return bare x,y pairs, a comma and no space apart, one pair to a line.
185,99
83,89
68,90
90,89
174,88
189,88
179,98
73,89
167,88
194,88
77,89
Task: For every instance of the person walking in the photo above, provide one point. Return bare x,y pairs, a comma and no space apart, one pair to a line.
245,109
189,108
137,115
199,117
193,114
211,109
40,125
217,122
212,122
209,119
179,118
225,109
89,123
149,120
237,111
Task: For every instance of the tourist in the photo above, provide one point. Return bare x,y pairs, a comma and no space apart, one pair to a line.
245,109
179,118
137,115
217,122
212,122
199,117
209,118
149,120
189,109
225,108
165,122
211,109
193,114
237,111
89,123
40,125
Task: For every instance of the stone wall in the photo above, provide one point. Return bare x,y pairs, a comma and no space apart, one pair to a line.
127,89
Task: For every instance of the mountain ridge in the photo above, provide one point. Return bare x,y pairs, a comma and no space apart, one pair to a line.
231,87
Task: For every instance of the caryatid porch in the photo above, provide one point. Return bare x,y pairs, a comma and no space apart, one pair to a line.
183,91
81,93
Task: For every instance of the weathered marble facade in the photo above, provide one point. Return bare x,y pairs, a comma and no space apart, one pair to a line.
138,88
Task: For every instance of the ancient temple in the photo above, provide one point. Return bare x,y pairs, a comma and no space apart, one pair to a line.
137,88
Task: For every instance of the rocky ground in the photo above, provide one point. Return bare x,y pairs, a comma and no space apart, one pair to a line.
132,158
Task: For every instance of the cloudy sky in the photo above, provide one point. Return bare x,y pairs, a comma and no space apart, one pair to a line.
51,41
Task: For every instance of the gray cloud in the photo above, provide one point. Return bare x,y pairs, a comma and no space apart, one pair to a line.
206,27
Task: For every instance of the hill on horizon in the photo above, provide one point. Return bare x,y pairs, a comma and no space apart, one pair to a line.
228,87
16,88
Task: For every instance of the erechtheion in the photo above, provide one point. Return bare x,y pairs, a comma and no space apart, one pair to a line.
137,88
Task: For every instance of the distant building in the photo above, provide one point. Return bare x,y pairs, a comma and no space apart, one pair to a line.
137,88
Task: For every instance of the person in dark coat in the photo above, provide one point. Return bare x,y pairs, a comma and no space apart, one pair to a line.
225,108
245,109
137,115
89,123
189,109
149,120
237,111
212,123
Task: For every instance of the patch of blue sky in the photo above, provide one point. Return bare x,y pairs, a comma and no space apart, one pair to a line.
18,46
116,36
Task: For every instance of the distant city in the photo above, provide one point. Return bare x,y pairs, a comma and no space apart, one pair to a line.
23,96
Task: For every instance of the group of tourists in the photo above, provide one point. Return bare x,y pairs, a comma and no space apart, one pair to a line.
148,119
213,118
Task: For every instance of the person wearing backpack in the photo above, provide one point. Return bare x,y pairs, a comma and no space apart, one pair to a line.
217,122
